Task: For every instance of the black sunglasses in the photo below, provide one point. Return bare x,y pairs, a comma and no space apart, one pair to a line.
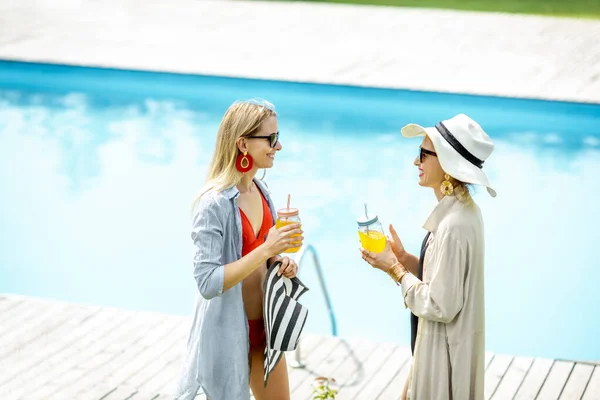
425,151
273,138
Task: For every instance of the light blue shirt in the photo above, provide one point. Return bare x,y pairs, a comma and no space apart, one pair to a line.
217,350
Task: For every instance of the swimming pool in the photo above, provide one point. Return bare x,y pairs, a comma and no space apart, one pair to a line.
98,169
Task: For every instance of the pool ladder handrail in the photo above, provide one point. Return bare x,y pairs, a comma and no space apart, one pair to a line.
297,362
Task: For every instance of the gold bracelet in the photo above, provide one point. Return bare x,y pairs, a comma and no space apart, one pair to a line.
397,272
393,267
398,277
394,273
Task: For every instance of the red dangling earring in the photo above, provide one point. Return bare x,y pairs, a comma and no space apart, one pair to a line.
244,162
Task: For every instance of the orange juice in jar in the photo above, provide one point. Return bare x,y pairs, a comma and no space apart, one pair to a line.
286,216
370,233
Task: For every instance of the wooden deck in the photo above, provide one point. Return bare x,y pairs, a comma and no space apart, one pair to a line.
56,350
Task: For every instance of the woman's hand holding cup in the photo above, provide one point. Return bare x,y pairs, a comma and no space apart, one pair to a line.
280,240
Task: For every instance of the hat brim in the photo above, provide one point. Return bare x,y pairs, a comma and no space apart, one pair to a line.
451,161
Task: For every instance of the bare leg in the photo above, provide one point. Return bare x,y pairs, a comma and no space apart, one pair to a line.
405,391
278,387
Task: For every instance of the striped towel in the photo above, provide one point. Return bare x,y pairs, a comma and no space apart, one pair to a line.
284,316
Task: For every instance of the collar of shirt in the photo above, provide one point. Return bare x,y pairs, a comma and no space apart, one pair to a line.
233,191
439,212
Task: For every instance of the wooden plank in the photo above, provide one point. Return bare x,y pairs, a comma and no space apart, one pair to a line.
166,382
495,372
387,371
151,363
169,385
120,351
97,386
370,369
169,368
59,363
323,349
65,371
29,374
489,356
120,392
513,378
84,352
577,382
142,395
346,355
592,391
11,306
50,319
534,379
308,342
125,392
351,372
169,374
29,317
22,314
35,345
6,303
31,346
555,381
394,389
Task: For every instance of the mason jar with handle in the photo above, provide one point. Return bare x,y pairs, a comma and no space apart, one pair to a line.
370,232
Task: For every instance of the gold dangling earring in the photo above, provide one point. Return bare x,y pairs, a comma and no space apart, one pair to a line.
447,188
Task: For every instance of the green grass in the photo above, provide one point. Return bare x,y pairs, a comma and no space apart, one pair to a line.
558,8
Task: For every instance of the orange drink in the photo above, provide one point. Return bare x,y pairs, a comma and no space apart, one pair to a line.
370,232
287,216
373,241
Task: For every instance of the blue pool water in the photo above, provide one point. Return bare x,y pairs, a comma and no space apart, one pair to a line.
98,169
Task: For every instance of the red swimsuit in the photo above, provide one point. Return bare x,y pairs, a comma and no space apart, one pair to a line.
250,242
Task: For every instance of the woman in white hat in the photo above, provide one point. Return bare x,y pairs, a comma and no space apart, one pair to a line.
444,286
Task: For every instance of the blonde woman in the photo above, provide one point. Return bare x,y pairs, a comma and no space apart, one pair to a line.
443,286
235,239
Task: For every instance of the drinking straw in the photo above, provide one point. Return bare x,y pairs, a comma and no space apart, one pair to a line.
367,217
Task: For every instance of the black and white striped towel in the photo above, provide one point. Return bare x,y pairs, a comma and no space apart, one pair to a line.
284,316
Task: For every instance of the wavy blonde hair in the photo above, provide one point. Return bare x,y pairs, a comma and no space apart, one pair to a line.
242,119
462,191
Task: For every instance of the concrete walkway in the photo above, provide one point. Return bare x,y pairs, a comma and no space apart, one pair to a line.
448,51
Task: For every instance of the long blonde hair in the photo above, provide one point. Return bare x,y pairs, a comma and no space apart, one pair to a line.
242,119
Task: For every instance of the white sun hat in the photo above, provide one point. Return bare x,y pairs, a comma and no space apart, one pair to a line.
462,147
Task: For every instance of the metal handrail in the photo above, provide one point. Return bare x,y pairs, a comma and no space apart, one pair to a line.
297,363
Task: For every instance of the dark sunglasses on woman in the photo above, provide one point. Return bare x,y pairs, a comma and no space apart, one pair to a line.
273,138
425,151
